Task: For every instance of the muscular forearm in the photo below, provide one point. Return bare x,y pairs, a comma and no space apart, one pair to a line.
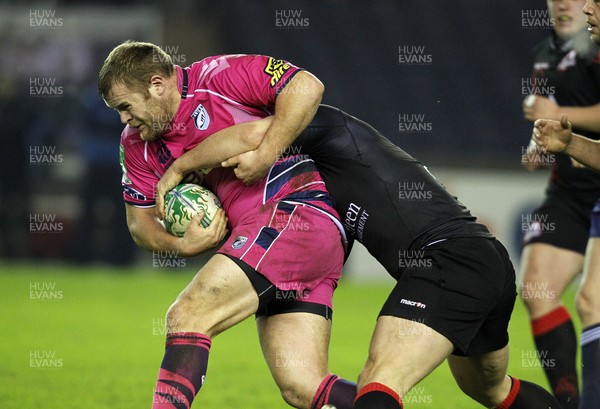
223,145
295,108
151,235
585,151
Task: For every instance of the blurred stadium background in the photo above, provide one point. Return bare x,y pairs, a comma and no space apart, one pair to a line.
444,80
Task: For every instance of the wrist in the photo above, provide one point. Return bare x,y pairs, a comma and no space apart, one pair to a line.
573,146
183,248
178,167
269,153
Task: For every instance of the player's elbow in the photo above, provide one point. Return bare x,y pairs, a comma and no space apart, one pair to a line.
317,89
137,237
312,89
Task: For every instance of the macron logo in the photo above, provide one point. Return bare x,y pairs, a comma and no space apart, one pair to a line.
417,304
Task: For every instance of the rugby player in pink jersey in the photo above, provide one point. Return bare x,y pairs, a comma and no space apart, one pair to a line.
286,249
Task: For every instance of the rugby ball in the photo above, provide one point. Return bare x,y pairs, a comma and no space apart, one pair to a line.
184,202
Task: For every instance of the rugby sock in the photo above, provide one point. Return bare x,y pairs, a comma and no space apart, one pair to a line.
590,360
556,343
527,395
377,396
335,391
182,371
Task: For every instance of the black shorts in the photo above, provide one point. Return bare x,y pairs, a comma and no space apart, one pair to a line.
463,288
562,220
273,301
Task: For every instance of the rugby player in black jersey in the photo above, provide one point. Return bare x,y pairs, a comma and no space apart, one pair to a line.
566,80
558,136
455,283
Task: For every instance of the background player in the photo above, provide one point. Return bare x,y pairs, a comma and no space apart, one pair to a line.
169,110
556,136
566,73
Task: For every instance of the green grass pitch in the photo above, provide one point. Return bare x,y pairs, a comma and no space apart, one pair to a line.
94,338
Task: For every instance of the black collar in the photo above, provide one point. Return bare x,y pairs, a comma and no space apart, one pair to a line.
184,86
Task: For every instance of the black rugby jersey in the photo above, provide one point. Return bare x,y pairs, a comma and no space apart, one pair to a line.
386,199
569,72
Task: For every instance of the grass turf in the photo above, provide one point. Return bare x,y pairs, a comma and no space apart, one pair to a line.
94,337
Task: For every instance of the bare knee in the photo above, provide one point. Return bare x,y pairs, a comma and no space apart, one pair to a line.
299,392
368,371
293,397
184,316
539,292
483,378
177,315
547,271
588,307
488,392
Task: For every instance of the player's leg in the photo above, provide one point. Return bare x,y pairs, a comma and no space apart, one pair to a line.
588,302
402,352
435,308
588,307
295,346
299,250
480,369
219,296
295,327
547,271
484,379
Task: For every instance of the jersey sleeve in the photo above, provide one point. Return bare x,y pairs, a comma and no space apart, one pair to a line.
254,80
138,181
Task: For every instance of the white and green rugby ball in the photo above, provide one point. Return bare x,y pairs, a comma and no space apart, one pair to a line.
184,202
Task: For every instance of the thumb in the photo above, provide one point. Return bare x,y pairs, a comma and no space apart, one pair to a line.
564,122
160,206
197,219
231,162
199,215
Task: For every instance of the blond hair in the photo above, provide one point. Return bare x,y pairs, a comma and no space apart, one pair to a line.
133,63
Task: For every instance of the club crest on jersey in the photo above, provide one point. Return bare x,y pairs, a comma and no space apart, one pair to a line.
201,118
239,242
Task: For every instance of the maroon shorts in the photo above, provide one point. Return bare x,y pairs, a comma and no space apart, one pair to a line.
296,247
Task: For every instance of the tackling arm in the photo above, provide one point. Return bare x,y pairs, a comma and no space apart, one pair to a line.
295,107
218,147
223,145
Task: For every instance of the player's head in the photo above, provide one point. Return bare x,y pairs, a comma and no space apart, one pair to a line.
567,17
136,80
592,12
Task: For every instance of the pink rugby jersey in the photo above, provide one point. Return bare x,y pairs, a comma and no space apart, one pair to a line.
218,92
